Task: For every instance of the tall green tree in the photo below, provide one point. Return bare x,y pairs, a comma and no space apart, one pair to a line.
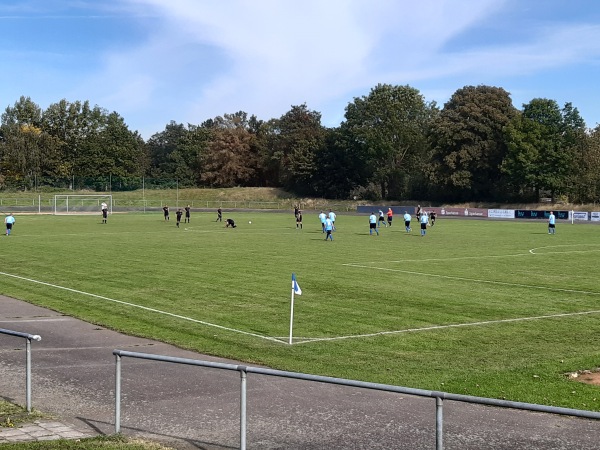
585,183
76,125
164,153
27,153
469,143
123,150
543,143
390,127
341,169
295,140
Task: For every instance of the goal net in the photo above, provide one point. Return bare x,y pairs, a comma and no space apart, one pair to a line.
82,204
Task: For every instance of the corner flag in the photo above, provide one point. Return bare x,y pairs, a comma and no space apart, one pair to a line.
297,291
295,286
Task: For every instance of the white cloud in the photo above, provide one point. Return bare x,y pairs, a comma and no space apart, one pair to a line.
206,58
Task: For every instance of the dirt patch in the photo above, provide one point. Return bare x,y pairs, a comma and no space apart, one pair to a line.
586,376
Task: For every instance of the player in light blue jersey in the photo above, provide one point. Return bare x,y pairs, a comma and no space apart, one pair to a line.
381,219
424,222
332,217
373,224
407,220
322,218
551,223
329,229
9,221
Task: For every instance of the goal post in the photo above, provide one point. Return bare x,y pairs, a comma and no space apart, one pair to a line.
81,204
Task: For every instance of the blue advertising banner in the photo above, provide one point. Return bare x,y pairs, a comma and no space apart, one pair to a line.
535,214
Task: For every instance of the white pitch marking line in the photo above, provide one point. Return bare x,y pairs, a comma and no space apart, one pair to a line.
441,327
475,280
533,250
177,316
456,258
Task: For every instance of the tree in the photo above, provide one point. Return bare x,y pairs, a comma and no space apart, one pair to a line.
166,161
294,141
341,169
24,112
27,153
76,125
542,148
229,159
390,127
122,150
585,186
469,143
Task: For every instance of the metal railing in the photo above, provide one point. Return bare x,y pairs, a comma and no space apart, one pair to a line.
245,370
28,337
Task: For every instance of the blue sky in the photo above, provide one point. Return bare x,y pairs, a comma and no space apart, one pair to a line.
154,61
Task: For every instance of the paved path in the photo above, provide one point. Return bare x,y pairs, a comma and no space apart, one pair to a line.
198,408
41,430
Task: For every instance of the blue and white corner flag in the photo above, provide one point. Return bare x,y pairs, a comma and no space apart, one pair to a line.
295,286
295,291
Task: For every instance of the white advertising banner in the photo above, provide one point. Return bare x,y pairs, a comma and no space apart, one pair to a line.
501,213
580,215
595,216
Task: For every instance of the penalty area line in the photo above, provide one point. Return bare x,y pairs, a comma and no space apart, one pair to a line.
442,327
145,308
474,280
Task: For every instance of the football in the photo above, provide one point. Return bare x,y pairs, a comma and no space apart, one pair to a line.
249,221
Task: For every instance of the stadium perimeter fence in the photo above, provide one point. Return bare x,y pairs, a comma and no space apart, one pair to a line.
243,370
47,205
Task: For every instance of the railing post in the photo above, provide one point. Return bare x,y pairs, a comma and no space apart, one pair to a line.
28,375
118,394
439,422
243,376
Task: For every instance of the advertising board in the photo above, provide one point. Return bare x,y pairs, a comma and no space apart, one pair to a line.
458,212
580,215
536,214
501,213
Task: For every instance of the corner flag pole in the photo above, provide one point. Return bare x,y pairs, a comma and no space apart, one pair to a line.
295,290
291,317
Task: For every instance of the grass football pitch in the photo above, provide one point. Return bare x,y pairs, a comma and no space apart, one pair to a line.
487,308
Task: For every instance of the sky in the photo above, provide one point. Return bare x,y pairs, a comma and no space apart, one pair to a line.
156,61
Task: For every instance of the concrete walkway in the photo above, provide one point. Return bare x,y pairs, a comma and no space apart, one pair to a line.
198,408
41,431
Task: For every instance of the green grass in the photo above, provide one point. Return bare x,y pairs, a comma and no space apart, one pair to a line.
12,415
102,442
448,301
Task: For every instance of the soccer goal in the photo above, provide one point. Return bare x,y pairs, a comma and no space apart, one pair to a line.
81,204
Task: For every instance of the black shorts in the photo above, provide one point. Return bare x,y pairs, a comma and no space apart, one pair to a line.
9,226
389,218
423,226
407,223
373,225
105,213
551,225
